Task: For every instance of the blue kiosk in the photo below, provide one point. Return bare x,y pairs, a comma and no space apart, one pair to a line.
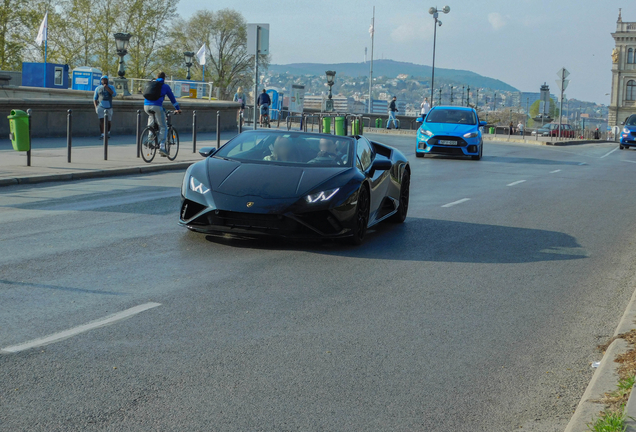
33,75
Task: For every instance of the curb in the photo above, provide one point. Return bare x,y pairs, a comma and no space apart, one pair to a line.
114,172
605,378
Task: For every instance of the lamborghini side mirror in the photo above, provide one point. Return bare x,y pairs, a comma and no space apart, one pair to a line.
207,151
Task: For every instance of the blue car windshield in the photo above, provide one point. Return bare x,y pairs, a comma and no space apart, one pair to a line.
631,121
290,148
455,116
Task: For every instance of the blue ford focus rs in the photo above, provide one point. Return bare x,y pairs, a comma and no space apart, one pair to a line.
628,134
452,130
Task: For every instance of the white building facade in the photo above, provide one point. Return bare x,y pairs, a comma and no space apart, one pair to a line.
623,100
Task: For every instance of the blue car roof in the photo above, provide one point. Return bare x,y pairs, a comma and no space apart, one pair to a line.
458,108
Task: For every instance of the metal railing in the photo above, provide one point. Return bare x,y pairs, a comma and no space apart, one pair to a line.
136,86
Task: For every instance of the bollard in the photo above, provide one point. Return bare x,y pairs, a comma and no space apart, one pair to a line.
138,140
194,131
240,125
218,129
105,134
69,133
29,151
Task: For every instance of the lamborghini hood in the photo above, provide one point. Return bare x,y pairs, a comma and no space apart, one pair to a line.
268,181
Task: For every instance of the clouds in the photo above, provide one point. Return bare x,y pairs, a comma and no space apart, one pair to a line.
496,20
411,28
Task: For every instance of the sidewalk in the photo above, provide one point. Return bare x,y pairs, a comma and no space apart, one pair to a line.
49,159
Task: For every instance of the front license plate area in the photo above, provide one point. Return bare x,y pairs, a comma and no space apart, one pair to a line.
447,142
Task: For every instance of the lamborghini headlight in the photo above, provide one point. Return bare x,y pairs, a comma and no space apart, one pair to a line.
197,186
321,196
471,135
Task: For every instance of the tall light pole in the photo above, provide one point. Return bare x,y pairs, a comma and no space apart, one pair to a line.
372,31
188,55
435,12
331,75
121,44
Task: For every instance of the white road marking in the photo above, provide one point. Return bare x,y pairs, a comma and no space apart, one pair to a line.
582,163
629,161
609,153
555,171
463,200
56,337
516,183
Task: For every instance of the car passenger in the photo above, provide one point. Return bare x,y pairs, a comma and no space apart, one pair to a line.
282,150
328,148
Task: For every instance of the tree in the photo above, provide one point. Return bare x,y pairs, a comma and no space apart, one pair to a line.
12,14
553,111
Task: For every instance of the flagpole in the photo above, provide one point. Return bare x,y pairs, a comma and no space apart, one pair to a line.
371,70
203,76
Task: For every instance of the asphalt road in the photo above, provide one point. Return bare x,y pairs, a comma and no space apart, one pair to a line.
480,313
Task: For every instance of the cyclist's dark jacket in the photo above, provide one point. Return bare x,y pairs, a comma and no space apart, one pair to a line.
263,99
165,91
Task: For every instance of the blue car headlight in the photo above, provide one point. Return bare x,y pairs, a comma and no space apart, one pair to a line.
471,135
197,186
323,196
625,130
426,132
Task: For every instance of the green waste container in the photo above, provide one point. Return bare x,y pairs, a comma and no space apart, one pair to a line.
326,125
378,123
355,125
491,131
19,128
340,126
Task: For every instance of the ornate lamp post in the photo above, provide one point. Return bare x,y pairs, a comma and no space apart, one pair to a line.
121,44
188,55
435,12
331,75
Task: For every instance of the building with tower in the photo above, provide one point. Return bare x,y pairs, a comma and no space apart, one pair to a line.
623,95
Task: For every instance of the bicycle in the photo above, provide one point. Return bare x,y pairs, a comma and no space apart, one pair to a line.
265,117
149,141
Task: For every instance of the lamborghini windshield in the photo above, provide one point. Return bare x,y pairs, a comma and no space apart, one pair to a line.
289,148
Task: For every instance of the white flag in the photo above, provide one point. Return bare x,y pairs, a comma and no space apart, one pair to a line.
371,30
201,55
42,34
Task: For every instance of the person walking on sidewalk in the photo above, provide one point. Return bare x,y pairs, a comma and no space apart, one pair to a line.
511,129
520,128
239,97
103,101
392,110
154,107
425,107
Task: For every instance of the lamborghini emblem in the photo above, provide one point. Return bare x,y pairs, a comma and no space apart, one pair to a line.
250,204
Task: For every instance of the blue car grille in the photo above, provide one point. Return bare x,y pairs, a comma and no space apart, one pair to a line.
435,140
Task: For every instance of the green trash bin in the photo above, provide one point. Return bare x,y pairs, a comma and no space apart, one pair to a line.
326,125
340,126
355,125
19,128
378,123
491,131
360,127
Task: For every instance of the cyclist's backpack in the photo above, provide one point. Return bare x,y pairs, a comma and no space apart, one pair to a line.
152,90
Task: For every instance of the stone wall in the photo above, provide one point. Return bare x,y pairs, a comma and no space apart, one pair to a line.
49,116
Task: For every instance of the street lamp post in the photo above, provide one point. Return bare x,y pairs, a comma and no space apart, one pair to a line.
462,104
440,97
121,44
435,12
188,55
331,75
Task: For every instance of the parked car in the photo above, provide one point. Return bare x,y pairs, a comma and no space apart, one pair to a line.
552,130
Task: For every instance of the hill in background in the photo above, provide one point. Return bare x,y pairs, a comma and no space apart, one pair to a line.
392,69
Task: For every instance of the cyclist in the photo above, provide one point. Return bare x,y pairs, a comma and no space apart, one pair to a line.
239,97
156,112
263,103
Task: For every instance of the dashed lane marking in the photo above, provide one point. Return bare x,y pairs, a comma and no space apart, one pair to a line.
555,171
609,153
516,183
463,200
56,337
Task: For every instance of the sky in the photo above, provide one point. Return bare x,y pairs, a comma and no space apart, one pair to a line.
521,42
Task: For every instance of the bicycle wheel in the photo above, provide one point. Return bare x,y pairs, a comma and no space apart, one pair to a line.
149,144
172,144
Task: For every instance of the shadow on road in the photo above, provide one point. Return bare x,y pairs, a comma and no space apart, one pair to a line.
436,241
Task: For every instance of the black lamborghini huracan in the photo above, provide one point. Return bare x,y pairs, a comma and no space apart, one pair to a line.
295,184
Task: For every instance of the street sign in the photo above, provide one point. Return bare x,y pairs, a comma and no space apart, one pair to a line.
263,39
563,84
563,73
